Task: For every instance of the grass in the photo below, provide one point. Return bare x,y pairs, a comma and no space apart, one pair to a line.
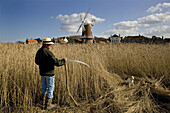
96,89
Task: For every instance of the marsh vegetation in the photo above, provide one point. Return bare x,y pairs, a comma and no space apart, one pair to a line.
96,89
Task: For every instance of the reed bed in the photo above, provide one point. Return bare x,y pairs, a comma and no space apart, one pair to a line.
96,89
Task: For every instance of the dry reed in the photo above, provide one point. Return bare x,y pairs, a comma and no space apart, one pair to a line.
96,89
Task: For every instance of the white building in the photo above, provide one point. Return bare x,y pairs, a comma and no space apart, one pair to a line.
115,38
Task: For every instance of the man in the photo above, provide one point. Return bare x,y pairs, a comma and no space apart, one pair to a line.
46,61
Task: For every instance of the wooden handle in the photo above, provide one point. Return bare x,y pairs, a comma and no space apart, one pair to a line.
67,85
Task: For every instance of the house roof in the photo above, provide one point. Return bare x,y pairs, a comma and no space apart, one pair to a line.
70,37
100,38
135,38
167,39
30,40
115,35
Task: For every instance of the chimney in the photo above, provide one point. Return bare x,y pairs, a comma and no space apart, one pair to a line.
121,39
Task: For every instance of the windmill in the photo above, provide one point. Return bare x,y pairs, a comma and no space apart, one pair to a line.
87,36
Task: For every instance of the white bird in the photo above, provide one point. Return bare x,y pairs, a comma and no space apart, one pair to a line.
130,80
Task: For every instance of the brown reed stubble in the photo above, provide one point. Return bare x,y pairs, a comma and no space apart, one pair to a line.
20,82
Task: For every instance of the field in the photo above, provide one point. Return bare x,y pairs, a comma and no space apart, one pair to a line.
98,89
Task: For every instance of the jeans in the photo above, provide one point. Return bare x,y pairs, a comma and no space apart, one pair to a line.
48,85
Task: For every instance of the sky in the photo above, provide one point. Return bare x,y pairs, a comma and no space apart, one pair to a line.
22,19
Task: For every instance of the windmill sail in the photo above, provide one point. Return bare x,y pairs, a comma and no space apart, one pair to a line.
79,28
86,14
83,21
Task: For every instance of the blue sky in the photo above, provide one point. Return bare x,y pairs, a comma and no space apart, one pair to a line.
21,19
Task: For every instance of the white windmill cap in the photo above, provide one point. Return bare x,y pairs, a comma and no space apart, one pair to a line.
47,41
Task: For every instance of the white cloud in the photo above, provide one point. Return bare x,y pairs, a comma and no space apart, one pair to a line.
155,8
144,21
124,28
70,23
123,32
126,24
154,24
158,31
159,7
134,27
155,19
68,28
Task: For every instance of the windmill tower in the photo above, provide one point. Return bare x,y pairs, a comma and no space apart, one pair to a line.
87,36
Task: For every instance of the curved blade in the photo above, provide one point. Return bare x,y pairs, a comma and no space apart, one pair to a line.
79,28
70,60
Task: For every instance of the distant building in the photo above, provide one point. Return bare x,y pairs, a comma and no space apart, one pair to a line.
101,40
157,40
38,40
30,41
136,39
115,38
75,39
61,40
167,40
70,39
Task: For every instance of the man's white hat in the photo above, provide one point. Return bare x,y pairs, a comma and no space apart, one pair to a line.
47,41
